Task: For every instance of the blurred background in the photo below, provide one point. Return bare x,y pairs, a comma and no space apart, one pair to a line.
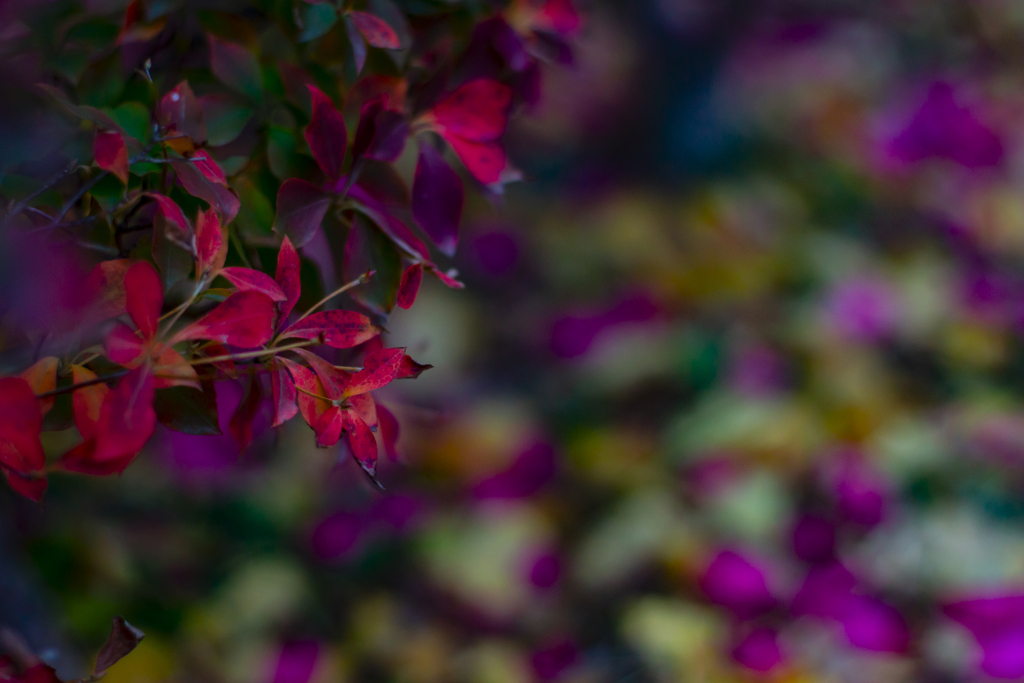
734,393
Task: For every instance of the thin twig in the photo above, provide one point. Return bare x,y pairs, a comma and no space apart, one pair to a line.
81,385
56,178
361,280
254,354
314,395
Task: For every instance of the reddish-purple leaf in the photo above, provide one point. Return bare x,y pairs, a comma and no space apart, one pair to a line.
285,394
357,43
171,219
247,279
437,198
447,278
379,369
211,247
410,369
398,231
388,430
236,67
123,345
476,111
486,161
326,134
145,297
106,286
32,487
301,207
205,180
245,319
112,153
82,459
328,427
240,424
127,418
289,268
122,640
361,442
21,421
409,287
375,30
340,329
333,379
180,112
310,407
381,133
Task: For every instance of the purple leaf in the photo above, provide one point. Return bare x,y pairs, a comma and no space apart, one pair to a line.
437,197
301,206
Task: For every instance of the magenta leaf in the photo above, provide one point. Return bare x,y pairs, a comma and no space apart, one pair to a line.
329,427
245,319
236,67
476,111
339,329
409,287
289,269
21,422
437,198
240,424
326,134
375,30
145,297
333,379
247,279
301,207
486,161
123,345
172,223
410,369
310,407
112,153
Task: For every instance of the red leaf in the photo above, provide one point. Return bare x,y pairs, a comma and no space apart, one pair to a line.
82,459
328,427
365,407
285,394
42,377
177,226
289,268
375,30
87,401
127,418
326,134
245,319
558,16
486,161
410,369
476,111
112,153
21,421
32,487
145,297
310,407
123,345
211,246
205,180
180,111
106,285
247,279
301,207
333,380
379,369
240,423
409,287
215,350
361,441
437,198
388,430
340,329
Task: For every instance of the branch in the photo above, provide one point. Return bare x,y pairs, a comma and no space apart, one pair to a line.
23,204
361,280
81,385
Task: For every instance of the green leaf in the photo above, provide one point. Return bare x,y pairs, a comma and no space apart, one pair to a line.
256,216
225,118
369,248
316,21
188,410
133,117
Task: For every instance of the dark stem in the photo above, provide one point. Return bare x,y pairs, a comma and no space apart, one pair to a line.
82,385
